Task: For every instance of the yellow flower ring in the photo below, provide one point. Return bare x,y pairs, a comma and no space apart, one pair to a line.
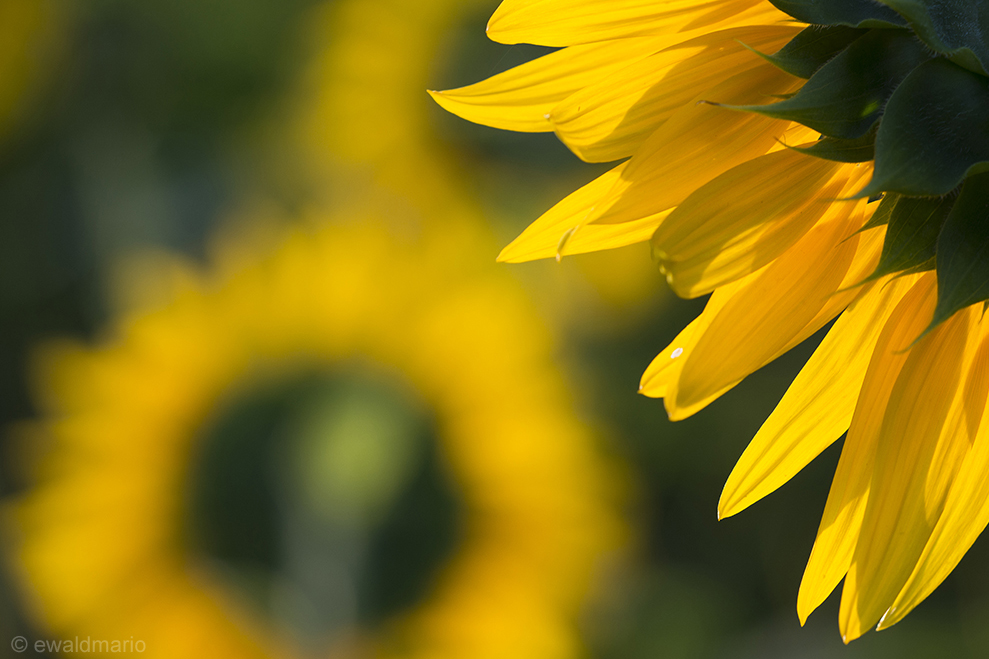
100,544
756,138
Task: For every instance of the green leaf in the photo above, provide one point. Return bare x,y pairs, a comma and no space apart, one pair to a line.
846,96
832,148
853,13
912,235
935,131
963,251
813,48
883,213
956,28
929,264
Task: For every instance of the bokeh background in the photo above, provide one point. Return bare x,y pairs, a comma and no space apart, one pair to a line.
273,171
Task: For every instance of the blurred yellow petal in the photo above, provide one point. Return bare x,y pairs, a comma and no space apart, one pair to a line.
920,446
966,509
109,551
817,408
611,117
569,22
839,529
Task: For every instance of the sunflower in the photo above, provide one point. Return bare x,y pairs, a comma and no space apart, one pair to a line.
104,548
757,139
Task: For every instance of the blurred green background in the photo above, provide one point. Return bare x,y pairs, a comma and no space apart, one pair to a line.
147,125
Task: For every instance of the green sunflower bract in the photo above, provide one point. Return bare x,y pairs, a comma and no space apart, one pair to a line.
757,140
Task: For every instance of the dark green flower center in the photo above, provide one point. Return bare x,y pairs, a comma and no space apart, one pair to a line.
324,499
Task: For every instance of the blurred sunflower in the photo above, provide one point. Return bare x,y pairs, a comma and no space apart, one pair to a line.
117,540
768,205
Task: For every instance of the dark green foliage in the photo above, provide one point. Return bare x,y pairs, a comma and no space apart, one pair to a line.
963,251
929,264
934,131
813,48
912,234
846,96
854,13
883,213
956,28
861,149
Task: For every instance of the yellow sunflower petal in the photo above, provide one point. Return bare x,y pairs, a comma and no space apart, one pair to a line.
839,529
750,292
921,444
764,317
966,509
569,22
817,408
609,119
562,230
697,144
522,98
745,218
665,368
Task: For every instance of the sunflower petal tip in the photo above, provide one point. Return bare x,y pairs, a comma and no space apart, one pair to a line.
804,608
496,32
675,413
881,625
444,100
849,635
726,508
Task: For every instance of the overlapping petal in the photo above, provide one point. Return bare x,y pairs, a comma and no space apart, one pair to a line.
745,218
817,408
845,508
966,507
610,119
769,312
696,144
918,450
